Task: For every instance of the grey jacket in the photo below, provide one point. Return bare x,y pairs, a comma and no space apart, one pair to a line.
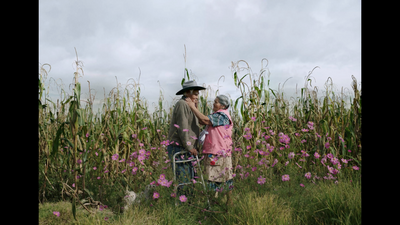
183,116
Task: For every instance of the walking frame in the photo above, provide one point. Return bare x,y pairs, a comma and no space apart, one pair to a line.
201,174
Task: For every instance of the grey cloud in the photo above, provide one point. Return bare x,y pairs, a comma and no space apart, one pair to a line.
116,38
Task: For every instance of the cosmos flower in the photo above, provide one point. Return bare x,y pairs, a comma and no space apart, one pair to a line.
115,157
156,195
327,145
182,198
285,177
261,180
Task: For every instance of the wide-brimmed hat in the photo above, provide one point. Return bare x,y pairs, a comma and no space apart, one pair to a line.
189,85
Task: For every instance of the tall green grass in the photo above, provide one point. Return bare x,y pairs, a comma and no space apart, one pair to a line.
73,140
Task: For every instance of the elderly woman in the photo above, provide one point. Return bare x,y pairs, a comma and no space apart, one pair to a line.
217,144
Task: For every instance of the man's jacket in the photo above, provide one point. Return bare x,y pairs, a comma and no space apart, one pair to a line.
184,118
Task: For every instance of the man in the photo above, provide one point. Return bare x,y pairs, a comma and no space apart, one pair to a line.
184,131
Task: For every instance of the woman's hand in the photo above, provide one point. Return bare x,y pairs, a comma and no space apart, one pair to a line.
190,102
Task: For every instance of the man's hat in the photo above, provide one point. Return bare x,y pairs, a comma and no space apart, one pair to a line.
189,85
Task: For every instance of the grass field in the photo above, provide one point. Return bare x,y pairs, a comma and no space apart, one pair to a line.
313,141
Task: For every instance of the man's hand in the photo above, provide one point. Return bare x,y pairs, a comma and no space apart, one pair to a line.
193,151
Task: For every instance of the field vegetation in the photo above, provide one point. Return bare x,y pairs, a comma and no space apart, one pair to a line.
296,161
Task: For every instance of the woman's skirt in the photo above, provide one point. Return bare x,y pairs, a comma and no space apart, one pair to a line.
220,174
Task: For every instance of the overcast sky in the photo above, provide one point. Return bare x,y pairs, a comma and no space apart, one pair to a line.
116,38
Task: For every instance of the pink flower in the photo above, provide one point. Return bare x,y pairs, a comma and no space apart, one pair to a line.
254,169
356,168
94,168
287,162
182,198
96,153
168,184
310,125
291,155
308,175
185,130
334,161
56,213
176,125
316,155
189,143
327,145
106,218
304,130
98,178
275,162
344,160
87,134
173,195
156,195
79,161
285,177
73,185
261,180
302,185
253,118
115,157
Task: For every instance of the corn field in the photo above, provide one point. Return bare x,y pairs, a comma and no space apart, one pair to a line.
85,155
